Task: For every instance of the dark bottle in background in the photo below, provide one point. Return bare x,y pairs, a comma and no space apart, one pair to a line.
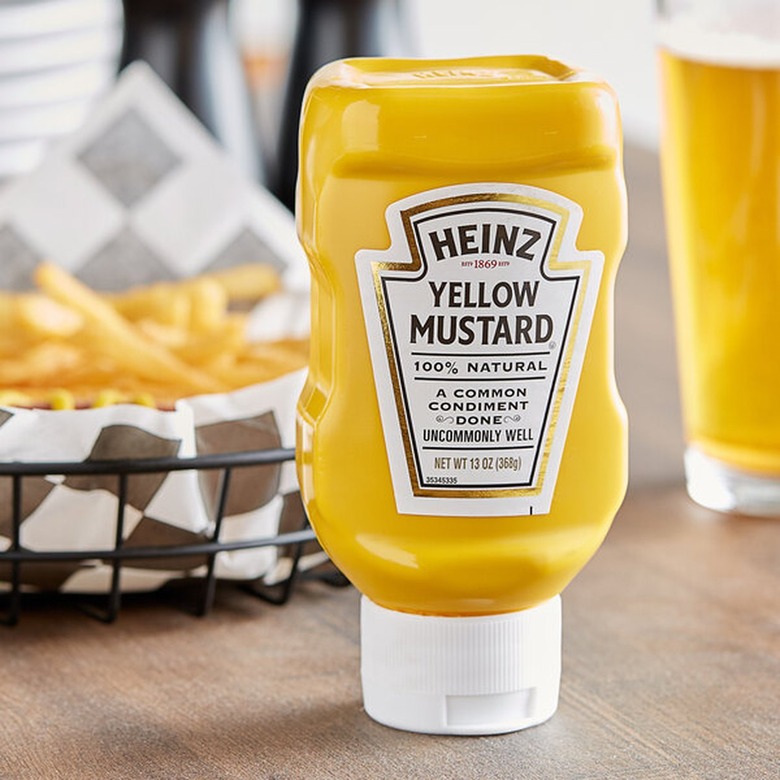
329,30
190,45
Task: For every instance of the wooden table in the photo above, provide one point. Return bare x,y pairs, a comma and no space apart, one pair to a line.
671,641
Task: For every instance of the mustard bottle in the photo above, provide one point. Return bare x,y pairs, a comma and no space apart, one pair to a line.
461,442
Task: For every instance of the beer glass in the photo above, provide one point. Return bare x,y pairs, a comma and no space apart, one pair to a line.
720,148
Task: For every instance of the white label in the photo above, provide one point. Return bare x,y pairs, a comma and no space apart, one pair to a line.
477,319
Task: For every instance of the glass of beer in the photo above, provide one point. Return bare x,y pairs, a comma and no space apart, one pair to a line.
720,152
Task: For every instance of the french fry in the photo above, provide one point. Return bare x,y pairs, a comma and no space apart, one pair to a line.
7,307
108,332
45,317
40,363
296,350
208,304
165,303
170,336
15,398
67,346
251,282
227,339
11,344
236,375
264,362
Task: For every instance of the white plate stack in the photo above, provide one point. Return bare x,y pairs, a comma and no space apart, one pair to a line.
56,58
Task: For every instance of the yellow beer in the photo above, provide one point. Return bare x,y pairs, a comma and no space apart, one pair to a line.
721,170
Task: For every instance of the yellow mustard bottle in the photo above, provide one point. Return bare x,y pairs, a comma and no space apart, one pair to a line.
461,442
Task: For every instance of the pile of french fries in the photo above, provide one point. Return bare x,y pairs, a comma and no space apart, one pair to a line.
66,346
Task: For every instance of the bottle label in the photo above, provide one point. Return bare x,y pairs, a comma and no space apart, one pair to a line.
477,319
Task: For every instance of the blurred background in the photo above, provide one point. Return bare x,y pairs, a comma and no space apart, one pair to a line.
241,65
614,38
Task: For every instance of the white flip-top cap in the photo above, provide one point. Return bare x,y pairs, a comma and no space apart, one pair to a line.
461,675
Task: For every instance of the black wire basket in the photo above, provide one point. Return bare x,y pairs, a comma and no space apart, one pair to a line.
15,557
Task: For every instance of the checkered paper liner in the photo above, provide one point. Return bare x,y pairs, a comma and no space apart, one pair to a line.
140,194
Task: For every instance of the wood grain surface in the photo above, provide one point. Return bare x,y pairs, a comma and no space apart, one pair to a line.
671,640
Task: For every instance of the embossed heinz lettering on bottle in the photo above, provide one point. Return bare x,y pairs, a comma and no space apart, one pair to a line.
478,317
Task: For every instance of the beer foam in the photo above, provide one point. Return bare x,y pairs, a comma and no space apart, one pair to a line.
721,40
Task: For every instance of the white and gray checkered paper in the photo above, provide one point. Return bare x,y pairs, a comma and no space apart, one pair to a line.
141,193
